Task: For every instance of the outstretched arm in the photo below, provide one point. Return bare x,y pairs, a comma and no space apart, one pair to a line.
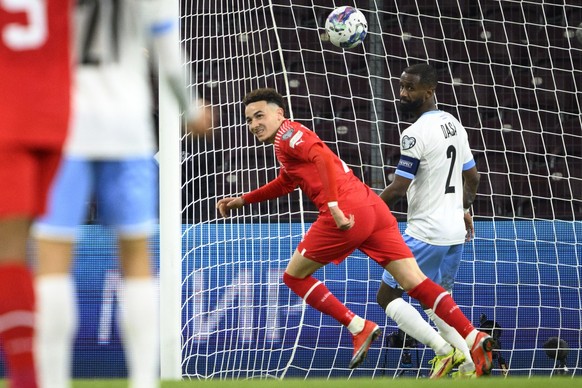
162,23
279,186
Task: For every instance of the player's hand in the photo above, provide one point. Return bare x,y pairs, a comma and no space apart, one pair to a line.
341,221
225,205
203,122
469,227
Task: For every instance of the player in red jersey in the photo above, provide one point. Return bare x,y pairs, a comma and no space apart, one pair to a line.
35,68
351,216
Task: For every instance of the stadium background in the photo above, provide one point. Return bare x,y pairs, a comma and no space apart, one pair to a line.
532,185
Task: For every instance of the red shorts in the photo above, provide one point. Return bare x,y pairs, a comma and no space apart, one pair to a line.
25,178
375,232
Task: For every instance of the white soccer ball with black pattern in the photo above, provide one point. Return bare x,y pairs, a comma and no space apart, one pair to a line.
346,27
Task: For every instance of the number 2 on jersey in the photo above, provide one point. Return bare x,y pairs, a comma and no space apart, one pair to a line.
29,36
451,154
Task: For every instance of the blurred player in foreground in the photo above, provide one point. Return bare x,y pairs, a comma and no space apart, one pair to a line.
437,173
109,155
35,70
351,216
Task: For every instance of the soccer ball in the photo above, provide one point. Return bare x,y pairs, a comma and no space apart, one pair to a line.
346,27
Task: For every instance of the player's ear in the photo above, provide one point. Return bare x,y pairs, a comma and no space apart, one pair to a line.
430,93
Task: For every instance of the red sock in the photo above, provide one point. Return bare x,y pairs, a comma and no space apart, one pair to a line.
316,294
17,322
434,296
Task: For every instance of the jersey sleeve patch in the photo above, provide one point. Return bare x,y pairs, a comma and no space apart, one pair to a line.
287,134
408,142
408,166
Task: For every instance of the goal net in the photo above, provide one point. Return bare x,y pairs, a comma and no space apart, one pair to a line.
511,71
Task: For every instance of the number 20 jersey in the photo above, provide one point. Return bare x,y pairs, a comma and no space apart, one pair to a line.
112,115
35,70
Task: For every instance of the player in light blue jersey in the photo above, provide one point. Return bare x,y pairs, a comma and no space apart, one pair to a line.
109,158
437,174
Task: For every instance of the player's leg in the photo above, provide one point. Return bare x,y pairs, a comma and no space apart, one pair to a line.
410,277
25,175
387,248
298,278
127,193
16,303
436,263
55,234
325,244
448,266
409,319
404,314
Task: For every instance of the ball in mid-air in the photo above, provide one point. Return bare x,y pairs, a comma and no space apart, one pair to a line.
346,27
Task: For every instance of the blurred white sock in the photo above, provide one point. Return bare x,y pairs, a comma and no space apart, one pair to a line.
56,325
139,321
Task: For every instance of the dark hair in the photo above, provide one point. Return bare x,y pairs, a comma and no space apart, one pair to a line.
269,95
427,74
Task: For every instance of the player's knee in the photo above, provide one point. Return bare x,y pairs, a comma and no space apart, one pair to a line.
387,294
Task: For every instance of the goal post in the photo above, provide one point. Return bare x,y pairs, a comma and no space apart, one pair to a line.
511,71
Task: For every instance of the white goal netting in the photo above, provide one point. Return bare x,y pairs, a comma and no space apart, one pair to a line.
511,71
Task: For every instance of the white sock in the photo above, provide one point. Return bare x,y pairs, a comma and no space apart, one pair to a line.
139,323
450,334
56,324
356,325
411,322
470,339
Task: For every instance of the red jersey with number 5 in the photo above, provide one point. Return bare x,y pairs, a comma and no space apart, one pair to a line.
35,72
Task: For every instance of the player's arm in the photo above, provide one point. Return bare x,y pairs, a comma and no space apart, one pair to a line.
279,186
324,161
162,26
405,172
471,180
395,190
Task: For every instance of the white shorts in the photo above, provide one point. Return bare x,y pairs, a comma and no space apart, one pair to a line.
125,193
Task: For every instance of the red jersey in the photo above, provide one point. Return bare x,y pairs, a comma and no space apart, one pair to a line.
306,162
35,72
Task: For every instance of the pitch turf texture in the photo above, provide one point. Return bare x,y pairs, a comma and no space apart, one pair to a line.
516,382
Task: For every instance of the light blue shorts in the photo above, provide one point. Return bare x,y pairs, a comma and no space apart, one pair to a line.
439,263
125,193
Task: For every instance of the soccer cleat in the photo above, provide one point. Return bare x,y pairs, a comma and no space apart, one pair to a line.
362,342
481,354
442,365
463,375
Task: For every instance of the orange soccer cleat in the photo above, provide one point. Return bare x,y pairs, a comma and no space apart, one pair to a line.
481,354
362,342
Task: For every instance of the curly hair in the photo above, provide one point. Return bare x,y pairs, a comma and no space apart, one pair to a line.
269,95
427,73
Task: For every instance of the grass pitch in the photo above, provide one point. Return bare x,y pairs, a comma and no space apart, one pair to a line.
497,382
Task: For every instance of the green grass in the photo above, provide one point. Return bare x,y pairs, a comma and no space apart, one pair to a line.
497,382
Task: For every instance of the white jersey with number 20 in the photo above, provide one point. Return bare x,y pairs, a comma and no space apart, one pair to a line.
112,115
